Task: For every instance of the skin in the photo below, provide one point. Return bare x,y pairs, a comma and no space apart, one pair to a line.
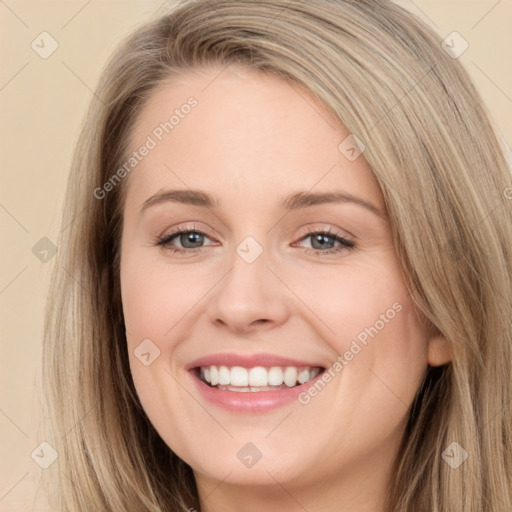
252,140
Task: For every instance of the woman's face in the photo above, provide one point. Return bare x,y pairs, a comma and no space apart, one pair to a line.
259,279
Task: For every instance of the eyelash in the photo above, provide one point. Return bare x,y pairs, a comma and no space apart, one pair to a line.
164,241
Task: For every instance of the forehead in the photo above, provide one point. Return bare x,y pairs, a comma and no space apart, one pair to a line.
241,133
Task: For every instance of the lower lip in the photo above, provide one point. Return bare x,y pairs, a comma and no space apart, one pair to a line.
250,401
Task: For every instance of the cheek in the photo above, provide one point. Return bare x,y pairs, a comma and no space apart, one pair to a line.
154,299
153,304
366,314
368,318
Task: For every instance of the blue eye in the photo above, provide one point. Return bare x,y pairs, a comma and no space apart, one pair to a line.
191,241
321,239
185,236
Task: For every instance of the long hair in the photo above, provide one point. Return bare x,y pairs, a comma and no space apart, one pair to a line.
435,155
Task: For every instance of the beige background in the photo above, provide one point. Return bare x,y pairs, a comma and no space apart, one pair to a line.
43,102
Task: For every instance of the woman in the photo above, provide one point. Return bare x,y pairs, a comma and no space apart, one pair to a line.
206,349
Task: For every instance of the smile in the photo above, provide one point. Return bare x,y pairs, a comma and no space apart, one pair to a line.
257,378
251,383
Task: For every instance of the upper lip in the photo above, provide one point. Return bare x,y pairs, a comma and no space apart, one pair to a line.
248,361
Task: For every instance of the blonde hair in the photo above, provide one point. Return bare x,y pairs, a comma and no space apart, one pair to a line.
435,155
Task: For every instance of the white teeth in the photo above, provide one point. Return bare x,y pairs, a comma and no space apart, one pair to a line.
313,373
303,376
290,376
224,376
275,376
259,378
239,376
214,375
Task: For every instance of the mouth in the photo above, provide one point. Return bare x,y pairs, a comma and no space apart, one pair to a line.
252,383
256,378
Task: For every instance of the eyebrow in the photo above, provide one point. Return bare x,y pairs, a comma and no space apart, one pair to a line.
294,201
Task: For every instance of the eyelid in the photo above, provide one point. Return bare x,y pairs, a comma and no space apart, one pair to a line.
345,242
175,231
326,228
303,231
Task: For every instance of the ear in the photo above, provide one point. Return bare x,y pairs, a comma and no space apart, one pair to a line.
439,351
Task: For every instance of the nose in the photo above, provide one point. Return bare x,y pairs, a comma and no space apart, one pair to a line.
249,297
